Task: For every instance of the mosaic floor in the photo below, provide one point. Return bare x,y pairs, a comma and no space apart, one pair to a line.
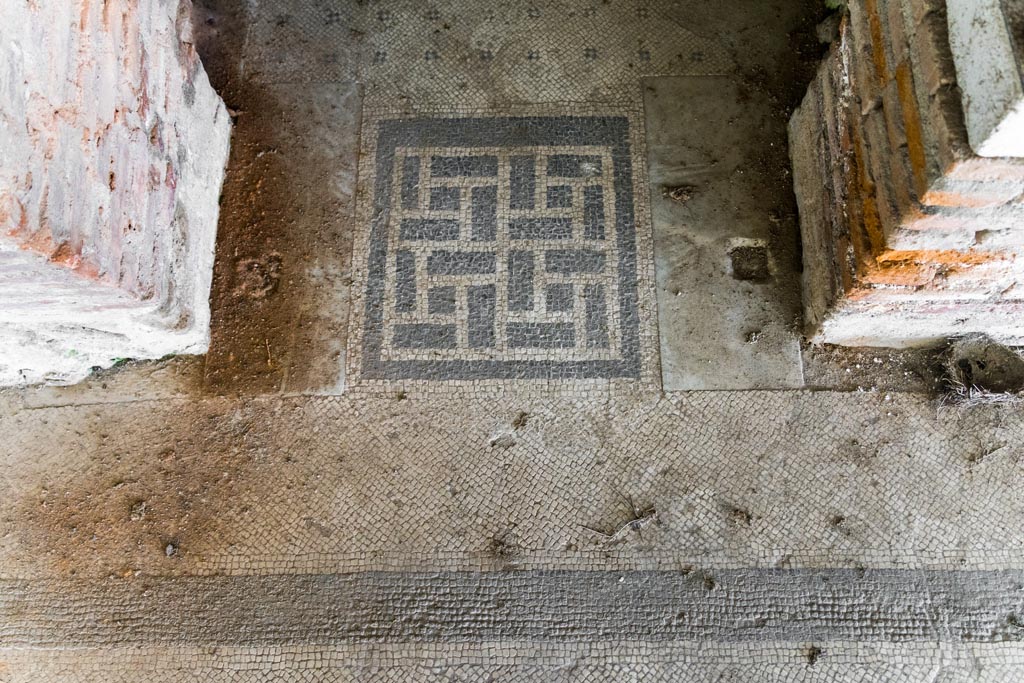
708,536
474,260
503,248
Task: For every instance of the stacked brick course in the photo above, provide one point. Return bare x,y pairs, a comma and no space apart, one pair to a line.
909,236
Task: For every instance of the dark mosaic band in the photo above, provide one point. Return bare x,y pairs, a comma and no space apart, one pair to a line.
724,606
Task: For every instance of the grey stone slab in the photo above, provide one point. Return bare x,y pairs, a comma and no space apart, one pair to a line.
718,331
429,229
461,262
540,228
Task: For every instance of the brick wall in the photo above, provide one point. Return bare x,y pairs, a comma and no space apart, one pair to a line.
912,237
114,151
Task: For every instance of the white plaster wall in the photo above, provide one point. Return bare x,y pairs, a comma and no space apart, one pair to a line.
113,151
55,326
989,74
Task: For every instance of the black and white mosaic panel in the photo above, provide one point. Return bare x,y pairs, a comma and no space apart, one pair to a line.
503,247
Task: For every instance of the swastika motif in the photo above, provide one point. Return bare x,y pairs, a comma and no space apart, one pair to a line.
501,247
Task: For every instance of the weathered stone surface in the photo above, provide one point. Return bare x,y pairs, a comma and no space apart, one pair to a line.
989,61
913,238
504,530
500,533
114,150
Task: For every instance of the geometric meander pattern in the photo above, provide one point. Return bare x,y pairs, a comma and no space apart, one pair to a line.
502,248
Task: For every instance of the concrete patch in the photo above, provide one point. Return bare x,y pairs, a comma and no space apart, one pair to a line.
726,321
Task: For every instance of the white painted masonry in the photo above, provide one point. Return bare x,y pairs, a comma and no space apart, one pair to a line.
988,68
113,147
